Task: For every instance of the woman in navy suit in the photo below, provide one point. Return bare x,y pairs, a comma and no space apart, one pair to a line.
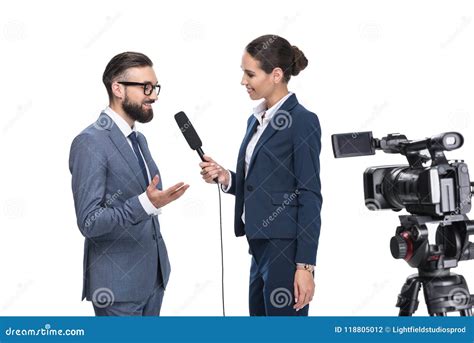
276,182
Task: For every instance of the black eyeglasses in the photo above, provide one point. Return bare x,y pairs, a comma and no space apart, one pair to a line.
148,87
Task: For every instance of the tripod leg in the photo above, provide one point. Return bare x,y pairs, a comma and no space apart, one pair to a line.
408,297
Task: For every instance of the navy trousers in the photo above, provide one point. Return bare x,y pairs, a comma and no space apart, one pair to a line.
272,275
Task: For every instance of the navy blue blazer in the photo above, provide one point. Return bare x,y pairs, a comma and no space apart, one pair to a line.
282,190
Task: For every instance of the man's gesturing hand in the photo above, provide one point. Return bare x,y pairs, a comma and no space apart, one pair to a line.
161,198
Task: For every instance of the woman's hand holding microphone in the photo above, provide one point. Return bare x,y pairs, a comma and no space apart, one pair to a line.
211,170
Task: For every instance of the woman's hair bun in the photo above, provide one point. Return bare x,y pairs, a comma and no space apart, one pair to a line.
299,61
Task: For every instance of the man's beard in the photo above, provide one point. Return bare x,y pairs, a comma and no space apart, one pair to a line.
136,111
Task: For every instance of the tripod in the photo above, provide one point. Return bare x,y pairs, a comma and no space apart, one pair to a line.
444,291
443,294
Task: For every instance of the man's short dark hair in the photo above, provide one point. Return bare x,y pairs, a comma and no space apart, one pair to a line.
118,65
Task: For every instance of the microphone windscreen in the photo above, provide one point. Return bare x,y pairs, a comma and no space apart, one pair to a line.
188,131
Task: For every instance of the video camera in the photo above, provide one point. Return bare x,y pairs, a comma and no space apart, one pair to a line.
437,192
442,188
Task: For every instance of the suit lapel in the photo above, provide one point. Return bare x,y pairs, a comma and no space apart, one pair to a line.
282,114
127,153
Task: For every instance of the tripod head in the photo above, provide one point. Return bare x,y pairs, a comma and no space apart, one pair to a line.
444,291
452,243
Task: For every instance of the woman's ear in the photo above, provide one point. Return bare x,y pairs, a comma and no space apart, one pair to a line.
277,75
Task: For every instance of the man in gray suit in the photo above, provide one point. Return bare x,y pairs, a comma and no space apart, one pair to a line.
118,194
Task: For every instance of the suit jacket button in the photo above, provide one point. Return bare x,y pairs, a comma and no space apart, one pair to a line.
250,188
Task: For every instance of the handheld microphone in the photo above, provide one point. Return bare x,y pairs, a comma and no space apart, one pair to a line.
190,134
195,143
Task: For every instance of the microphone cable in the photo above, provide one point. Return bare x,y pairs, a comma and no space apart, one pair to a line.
222,249
195,143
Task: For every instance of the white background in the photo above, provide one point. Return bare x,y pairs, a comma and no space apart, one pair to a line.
404,66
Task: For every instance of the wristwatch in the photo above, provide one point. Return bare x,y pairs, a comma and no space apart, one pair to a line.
303,266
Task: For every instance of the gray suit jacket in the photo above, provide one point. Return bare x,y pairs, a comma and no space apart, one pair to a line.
124,251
